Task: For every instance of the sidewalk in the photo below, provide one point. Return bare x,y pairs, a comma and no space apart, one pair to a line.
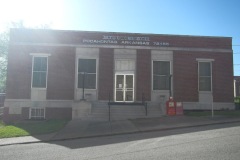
86,129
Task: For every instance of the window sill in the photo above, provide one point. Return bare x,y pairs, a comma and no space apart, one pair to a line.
39,88
87,89
160,90
205,92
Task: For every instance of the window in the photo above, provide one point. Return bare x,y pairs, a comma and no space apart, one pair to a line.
205,76
161,73
37,113
87,73
39,72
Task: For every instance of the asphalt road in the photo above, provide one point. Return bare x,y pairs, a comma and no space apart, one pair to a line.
218,142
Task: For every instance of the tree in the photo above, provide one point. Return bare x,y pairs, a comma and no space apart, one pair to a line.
4,42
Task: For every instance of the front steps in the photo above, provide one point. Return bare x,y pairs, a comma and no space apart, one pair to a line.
81,110
100,111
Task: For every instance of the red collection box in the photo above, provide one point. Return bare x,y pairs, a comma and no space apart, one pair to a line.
171,107
179,108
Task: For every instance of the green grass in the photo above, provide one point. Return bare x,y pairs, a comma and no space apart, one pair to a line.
237,99
27,128
229,113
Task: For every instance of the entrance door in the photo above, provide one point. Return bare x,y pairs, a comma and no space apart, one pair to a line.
124,88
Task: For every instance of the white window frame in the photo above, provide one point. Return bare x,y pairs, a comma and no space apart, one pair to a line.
36,55
124,91
170,63
36,117
78,73
200,60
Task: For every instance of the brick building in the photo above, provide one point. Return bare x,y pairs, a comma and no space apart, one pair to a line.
47,70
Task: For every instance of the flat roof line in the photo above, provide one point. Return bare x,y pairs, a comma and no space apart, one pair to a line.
130,33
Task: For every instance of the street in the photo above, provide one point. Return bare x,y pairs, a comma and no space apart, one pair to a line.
210,142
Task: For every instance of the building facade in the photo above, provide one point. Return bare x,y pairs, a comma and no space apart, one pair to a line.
48,69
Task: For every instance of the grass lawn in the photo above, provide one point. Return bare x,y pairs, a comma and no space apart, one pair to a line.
26,128
230,113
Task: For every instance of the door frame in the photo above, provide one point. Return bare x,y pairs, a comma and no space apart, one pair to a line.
124,89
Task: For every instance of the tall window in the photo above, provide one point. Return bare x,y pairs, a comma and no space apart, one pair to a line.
205,76
87,73
39,72
161,73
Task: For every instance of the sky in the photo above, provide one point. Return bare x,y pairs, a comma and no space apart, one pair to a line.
181,17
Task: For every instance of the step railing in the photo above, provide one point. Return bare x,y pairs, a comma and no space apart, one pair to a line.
110,103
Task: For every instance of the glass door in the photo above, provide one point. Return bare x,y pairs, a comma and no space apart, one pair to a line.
124,88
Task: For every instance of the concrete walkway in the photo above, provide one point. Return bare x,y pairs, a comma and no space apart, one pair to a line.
86,129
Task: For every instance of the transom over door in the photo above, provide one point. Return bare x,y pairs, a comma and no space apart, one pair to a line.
124,88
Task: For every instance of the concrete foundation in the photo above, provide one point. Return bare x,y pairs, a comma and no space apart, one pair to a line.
81,109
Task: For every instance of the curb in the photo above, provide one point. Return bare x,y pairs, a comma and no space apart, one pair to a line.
123,133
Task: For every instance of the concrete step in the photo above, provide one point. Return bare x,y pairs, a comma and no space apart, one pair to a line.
100,111
100,104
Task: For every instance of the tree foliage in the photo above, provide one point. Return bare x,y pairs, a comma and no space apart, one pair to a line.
4,40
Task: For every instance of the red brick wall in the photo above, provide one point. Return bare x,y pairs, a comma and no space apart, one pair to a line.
105,76
19,73
9,118
50,113
61,73
223,78
58,113
25,113
185,75
143,77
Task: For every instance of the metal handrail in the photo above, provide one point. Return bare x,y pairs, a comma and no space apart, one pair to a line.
145,104
126,103
109,107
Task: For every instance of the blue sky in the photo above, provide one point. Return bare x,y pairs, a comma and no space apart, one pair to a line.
183,17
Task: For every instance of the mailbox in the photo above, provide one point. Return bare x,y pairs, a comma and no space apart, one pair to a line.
171,107
179,108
